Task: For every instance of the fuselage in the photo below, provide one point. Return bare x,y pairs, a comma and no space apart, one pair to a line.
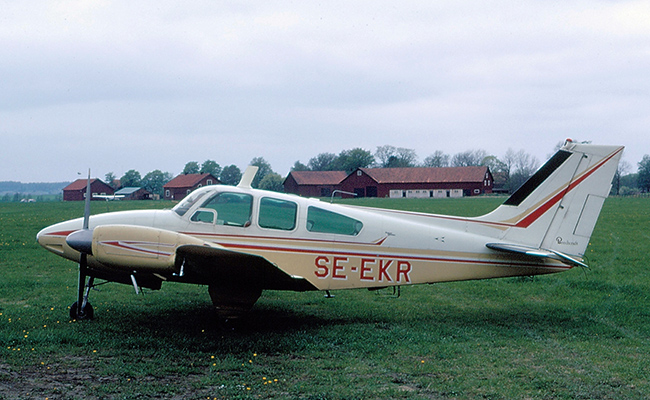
331,246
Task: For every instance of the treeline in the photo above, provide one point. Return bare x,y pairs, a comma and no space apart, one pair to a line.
154,181
509,171
11,191
43,188
630,184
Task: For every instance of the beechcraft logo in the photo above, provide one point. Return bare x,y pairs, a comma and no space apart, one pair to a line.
563,242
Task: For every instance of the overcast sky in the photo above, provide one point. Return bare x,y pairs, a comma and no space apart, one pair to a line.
145,85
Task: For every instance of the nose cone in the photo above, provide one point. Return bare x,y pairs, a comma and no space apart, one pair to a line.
81,240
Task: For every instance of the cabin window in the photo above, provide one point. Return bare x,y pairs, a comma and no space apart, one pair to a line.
232,209
324,221
277,214
204,215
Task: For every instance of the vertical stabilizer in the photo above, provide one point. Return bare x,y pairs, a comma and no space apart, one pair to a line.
557,208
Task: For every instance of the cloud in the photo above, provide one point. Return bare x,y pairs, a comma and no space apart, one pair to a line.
153,85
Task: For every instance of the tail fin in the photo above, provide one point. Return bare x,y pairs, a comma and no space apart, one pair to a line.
557,208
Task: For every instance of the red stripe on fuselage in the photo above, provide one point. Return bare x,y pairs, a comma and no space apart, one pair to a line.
250,247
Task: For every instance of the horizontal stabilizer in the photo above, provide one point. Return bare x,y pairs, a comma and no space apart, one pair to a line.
536,252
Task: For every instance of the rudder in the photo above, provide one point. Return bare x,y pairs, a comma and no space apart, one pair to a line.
557,208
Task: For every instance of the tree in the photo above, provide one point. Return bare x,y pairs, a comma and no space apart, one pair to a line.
518,167
191,167
155,180
644,174
210,167
264,169
438,160
322,162
622,170
395,157
110,179
349,160
298,166
273,182
230,175
131,178
468,158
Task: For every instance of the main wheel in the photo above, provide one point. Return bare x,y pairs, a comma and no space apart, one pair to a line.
86,313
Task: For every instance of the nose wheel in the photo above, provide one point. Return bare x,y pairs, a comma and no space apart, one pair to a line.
85,313
82,309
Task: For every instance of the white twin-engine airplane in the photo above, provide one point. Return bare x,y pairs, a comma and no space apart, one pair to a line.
240,241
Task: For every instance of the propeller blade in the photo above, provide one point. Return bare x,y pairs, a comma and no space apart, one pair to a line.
82,242
87,203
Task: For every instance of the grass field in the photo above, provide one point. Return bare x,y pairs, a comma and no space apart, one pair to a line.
575,335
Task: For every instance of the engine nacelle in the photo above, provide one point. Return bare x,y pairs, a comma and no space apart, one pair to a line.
146,249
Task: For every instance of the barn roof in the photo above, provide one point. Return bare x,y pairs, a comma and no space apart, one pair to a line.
426,175
80,184
187,181
318,177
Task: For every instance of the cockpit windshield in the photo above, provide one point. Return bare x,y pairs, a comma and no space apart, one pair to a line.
187,203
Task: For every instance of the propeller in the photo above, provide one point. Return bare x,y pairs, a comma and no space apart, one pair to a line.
81,241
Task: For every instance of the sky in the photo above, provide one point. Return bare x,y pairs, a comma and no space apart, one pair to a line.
145,85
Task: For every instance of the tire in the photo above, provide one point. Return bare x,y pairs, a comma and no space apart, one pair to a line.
86,313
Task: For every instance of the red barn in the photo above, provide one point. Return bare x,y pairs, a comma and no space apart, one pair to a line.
313,183
76,191
182,185
419,182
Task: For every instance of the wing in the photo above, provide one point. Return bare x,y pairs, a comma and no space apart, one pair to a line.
211,264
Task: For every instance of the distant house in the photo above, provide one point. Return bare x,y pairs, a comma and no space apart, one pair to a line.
394,182
182,185
134,193
313,183
76,191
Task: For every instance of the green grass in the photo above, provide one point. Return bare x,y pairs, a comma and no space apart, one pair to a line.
575,335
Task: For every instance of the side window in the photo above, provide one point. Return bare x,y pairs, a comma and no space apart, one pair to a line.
323,221
204,215
233,209
277,214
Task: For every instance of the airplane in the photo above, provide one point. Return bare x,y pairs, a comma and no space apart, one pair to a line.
239,241
108,197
